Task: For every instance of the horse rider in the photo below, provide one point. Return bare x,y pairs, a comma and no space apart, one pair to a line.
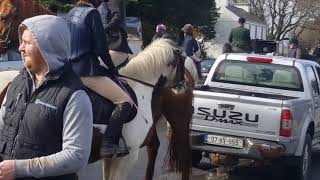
88,43
46,118
113,19
9,22
161,29
294,51
240,39
191,46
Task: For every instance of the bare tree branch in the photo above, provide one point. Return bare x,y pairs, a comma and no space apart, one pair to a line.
285,16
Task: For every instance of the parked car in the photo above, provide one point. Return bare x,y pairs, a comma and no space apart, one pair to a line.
259,107
134,30
206,65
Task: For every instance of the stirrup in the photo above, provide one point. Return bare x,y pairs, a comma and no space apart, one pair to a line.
120,151
123,150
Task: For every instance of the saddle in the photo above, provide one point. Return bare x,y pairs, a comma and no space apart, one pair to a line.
103,108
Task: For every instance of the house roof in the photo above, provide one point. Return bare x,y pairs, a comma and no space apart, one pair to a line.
244,14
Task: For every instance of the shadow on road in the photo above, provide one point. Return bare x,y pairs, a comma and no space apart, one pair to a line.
240,173
273,172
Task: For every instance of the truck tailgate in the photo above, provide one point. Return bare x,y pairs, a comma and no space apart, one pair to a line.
237,115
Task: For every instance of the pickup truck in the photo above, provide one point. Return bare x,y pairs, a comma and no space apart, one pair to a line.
259,107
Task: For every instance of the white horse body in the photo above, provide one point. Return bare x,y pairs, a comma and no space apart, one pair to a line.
135,136
147,66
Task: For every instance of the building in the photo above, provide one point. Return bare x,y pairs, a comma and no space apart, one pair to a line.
230,12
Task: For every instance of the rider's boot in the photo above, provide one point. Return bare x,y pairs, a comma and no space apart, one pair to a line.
110,145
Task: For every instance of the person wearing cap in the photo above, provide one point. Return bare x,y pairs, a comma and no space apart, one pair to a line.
160,31
46,119
190,46
294,51
240,39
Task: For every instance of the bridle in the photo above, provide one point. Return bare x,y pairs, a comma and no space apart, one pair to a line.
138,81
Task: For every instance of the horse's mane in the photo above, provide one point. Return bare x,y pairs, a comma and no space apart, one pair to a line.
152,61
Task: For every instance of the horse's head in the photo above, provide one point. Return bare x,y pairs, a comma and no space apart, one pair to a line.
8,8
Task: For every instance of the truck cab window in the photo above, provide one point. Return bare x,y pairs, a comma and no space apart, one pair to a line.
313,81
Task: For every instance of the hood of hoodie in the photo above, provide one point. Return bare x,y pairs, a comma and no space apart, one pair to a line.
53,39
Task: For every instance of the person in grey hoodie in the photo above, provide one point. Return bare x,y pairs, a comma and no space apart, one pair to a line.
46,118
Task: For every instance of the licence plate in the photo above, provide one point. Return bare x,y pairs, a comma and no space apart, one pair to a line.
223,141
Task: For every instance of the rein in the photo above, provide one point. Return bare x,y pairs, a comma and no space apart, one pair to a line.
139,81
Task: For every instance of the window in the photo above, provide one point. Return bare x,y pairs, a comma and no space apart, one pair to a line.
313,81
256,32
318,71
259,74
264,33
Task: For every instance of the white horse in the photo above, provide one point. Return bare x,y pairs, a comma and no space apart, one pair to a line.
157,60
118,58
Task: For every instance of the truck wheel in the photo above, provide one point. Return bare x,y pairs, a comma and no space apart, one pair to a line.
303,168
196,157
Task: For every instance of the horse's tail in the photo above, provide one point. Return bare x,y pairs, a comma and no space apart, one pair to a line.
178,157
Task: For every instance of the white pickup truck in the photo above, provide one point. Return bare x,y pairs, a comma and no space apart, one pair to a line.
259,107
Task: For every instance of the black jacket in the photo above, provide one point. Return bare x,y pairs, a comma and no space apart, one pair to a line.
33,122
113,22
88,42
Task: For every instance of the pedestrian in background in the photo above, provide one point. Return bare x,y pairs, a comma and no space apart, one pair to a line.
190,46
161,29
240,39
294,51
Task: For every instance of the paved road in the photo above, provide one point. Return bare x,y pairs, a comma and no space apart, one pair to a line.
241,173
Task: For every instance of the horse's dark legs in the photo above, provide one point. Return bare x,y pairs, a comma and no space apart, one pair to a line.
152,148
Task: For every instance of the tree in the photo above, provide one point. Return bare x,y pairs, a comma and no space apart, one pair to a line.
284,16
201,13
64,5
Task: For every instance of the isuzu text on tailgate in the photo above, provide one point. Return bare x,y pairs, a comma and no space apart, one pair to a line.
258,107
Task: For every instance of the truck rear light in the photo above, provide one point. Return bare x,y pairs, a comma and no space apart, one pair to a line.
286,123
259,59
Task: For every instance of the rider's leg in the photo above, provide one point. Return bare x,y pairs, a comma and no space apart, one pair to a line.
105,87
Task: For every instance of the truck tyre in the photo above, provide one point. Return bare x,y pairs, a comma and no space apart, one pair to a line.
196,157
303,167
